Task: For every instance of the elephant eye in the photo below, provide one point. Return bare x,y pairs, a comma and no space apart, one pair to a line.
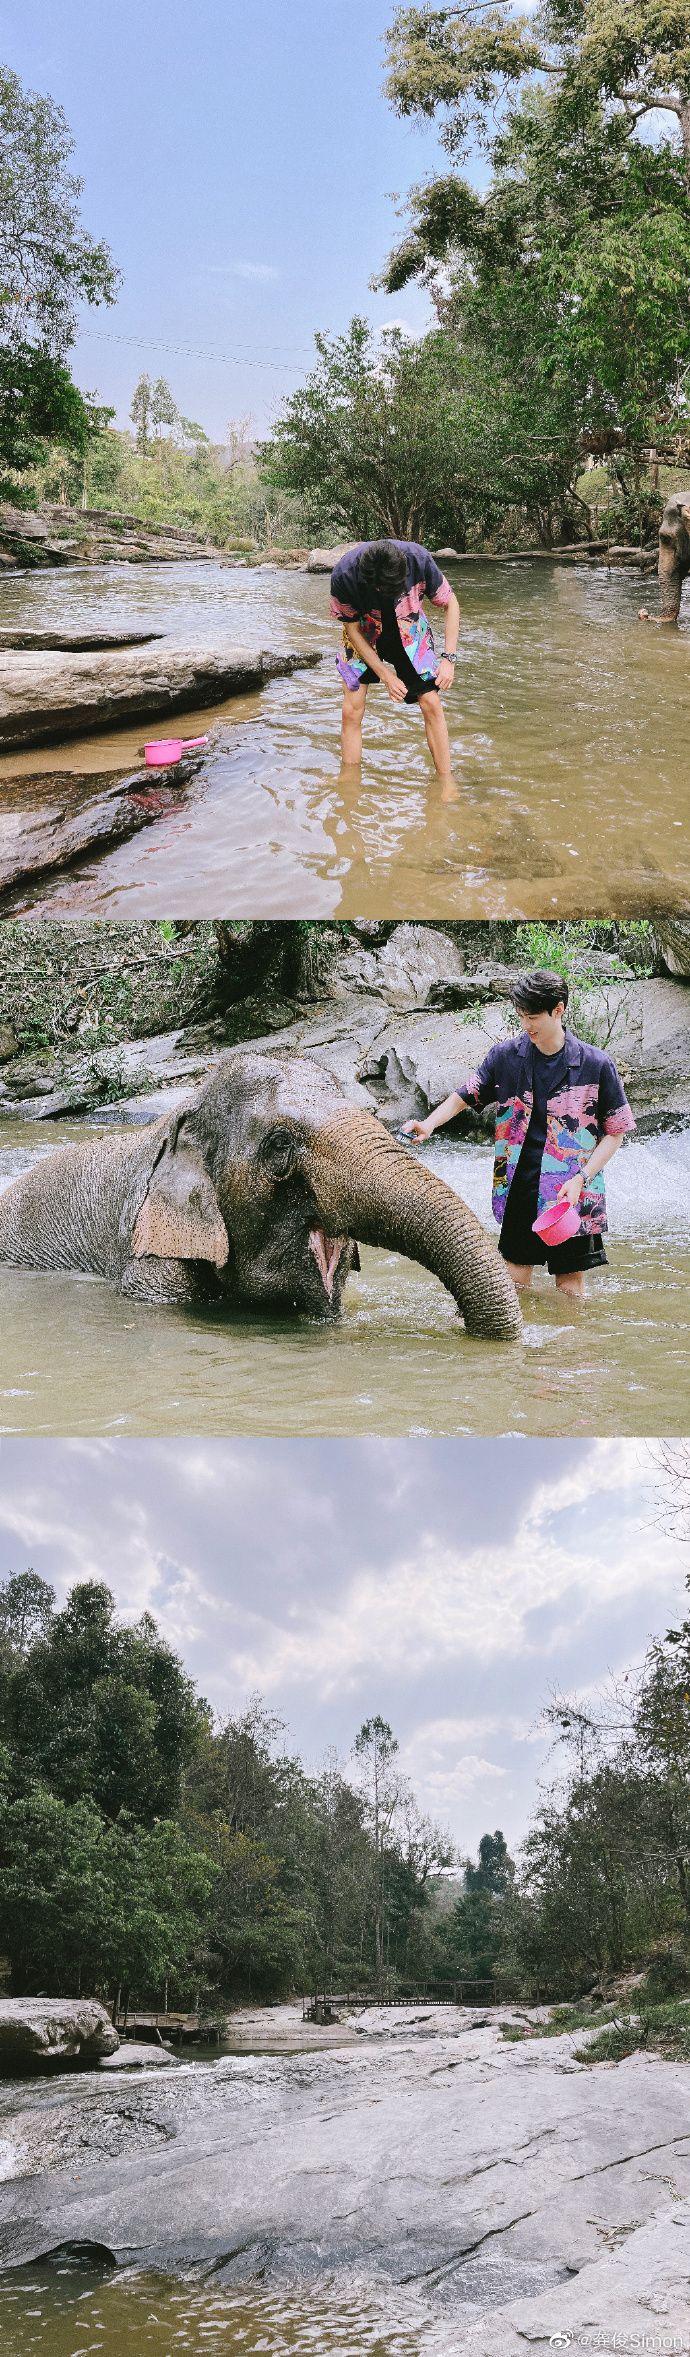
279,1152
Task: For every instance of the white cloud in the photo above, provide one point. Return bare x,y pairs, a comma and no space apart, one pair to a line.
448,1584
241,270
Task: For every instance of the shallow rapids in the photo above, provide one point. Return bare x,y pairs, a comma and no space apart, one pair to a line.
77,1358
568,724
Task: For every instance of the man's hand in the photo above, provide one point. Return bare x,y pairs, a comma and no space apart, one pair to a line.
572,1190
417,1131
445,675
396,687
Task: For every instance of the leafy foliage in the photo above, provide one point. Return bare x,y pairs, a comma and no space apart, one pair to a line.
419,440
582,243
95,1709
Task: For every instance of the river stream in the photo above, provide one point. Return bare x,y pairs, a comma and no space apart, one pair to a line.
58,2313
75,1357
568,725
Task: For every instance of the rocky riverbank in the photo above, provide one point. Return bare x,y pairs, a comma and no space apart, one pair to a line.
403,1019
506,2186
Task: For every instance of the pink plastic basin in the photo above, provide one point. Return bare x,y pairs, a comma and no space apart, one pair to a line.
167,749
557,1223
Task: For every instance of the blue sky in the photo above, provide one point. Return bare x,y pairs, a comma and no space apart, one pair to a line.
237,161
449,1585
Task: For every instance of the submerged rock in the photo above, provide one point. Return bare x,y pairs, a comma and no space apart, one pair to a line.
48,819
53,2029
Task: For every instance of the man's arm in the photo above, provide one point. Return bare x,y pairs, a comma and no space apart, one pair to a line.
446,671
571,1192
367,653
419,1131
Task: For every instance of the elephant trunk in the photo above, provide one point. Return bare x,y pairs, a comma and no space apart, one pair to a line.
372,1189
672,572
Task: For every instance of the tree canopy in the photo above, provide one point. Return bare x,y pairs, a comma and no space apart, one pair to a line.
49,265
582,241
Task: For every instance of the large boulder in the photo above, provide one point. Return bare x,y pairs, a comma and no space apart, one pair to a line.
322,560
673,935
53,2029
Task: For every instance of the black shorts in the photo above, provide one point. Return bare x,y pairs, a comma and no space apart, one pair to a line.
397,660
517,1242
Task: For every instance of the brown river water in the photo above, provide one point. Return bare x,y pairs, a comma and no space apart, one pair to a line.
57,2313
75,1357
568,721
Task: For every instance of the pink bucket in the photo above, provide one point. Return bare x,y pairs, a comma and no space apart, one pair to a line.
557,1223
168,749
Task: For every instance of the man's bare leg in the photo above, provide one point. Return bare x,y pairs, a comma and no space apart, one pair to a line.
521,1272
434,719
574,1284
354,700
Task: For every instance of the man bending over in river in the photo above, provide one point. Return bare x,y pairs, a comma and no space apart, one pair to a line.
377,590
561,1112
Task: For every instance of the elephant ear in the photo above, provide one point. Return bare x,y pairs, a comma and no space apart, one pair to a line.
180,1218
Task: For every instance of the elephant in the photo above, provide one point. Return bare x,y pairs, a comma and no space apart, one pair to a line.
254,1191
674,553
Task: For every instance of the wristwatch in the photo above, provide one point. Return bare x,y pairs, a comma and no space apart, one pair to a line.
447,657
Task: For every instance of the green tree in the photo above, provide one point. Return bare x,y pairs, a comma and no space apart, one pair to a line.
163,411
140,411
582,245
49,264
84,1902
495,1871
416,441
100,1710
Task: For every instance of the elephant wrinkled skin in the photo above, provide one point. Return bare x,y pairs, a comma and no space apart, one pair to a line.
674,553
255,1192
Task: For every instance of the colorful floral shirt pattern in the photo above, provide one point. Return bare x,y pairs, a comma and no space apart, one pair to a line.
592,1104
424,579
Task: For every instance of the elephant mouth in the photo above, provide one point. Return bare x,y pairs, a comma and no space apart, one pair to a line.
327,1251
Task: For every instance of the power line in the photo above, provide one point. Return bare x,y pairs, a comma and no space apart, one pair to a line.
191,351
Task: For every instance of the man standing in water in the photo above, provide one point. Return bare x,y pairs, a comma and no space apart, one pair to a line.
561,1112
377,591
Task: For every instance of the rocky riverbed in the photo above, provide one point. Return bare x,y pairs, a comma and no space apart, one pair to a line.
403,1020
504,2192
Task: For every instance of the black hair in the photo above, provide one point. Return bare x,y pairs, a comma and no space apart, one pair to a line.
383,566
540,992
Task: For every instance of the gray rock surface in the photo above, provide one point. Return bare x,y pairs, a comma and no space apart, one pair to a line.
46,821
135,2056
44,696
389,1036
506,2186
673,934
322,560
53,2029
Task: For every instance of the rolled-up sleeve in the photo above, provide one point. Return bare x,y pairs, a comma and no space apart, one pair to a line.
436,585
615,1117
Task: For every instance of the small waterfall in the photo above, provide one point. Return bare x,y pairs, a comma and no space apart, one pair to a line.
647,1184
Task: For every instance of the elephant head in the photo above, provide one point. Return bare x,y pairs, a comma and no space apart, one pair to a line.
674,553
270,1176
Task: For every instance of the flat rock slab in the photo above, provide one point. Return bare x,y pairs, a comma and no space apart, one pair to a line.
53,2029
79,642
46,696
425,2153
135,2056
47,820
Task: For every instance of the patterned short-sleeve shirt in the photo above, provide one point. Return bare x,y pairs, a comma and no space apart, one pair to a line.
588,1103
350,602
